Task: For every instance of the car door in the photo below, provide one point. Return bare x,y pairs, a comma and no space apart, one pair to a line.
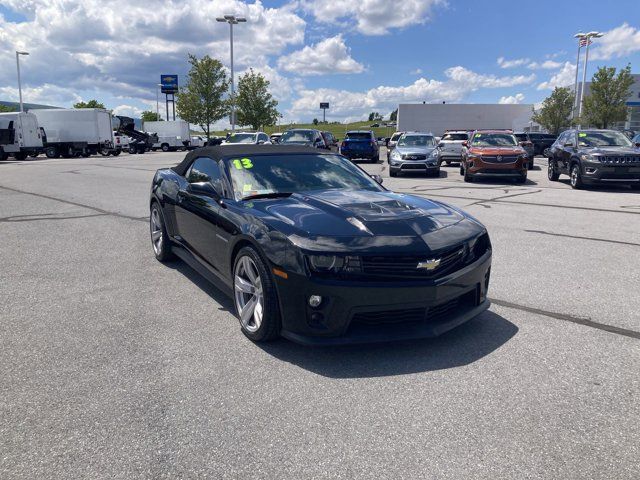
198,214
568,146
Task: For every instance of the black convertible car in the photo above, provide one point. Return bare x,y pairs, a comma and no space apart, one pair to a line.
314,249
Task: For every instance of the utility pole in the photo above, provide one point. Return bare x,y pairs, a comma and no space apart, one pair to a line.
588,38
19,82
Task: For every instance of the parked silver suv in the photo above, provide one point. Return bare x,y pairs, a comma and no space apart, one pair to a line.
450,146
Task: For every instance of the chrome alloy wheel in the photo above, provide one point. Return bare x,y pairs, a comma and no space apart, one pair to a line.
574,176
248,296
156,231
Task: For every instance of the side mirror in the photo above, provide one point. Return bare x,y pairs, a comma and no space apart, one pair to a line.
568,144
637,144
260,142
203,188
440,145
377,178
465,143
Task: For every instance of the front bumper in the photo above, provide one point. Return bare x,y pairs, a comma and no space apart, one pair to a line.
365,312
516,169
351,154
596,172
413,166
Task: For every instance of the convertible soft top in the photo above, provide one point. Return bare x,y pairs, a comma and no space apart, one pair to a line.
241,150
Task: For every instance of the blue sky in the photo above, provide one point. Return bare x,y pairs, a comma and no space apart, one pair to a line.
361,56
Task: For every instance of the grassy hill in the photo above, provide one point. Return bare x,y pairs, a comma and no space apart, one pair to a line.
337,129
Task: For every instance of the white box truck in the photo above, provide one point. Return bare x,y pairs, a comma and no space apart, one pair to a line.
75,131
20,135
172,135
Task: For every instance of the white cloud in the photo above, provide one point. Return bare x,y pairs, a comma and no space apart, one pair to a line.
326,57
511,99
618,42
518,62
565,77
546,65
121,48
127,111
373,17
345,104
417,71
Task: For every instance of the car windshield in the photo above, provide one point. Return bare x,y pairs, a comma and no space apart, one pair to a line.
455,136
416,141
358,136
241,138
395,137
494,140
274,174
603,139
297,136
521,136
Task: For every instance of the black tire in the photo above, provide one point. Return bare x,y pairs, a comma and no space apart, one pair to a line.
3,155
165,147
467,178
52,152
161,248
522,179
393,173
85,154
115,153
132,150
269,327
461,169
530,165
20,156
105,152
576,177
552,171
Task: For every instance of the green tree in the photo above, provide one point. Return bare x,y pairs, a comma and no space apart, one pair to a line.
315,121
6,108
90,104
606,103
555,114
149,116
201,101
394,116
256,107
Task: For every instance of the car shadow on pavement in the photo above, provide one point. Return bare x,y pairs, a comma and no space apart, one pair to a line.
216,292
611,188
461,346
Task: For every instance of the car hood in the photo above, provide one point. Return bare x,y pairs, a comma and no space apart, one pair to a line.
496,150
611,151
339,220
414,150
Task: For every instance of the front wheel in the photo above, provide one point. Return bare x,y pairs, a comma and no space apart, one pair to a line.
51,152
552,171
132,150
165,147
530,165
255,297
159,237
576,177
467,178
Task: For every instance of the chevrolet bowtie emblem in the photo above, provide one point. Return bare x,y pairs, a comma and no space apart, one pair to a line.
429,264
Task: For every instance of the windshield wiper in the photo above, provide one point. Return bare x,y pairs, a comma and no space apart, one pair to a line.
268,195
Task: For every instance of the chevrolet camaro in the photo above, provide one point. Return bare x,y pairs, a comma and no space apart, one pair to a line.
312,248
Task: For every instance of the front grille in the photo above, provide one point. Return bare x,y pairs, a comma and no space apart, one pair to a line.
503,158
410,166
407,266
414,157
619,160
497,171
390,316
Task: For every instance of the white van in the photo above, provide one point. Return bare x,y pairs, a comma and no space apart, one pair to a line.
20,135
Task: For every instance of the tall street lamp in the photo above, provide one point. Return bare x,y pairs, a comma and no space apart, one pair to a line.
19,83
158,85
580,36
232,20
587,40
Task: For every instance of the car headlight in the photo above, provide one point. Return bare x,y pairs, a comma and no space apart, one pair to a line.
396,155
589,158
434,154
334,264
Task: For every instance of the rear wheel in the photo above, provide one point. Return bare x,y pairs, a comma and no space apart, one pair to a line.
255,297
165,147
576,177
523,178
52,152
552,171
20,155
159,237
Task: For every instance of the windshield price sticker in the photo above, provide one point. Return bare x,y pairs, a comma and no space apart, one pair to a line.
582,134
242,163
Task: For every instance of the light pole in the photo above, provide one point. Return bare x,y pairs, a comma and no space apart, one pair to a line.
19,83
588,38
158,85
579,36
232,20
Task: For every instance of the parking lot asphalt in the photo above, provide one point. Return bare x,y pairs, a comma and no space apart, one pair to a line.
117,366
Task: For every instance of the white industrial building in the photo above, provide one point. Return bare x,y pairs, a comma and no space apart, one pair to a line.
438,117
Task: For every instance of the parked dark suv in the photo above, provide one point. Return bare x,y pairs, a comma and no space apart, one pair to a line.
541,141
595,156
526,143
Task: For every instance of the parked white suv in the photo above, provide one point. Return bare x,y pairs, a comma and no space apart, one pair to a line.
450,146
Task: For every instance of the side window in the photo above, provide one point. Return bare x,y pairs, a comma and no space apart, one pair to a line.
205,169
561,138
570,138
263,137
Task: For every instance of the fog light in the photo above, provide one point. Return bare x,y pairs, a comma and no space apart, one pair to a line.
315,301
591,170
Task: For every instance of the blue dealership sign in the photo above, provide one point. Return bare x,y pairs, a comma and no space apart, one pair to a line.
169,83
